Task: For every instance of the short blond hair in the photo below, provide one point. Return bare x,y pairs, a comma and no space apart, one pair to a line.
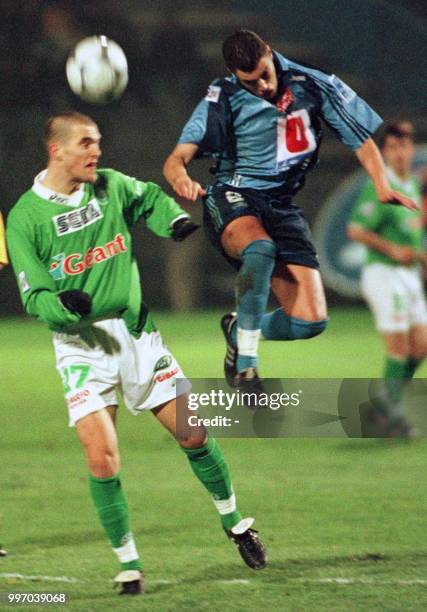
58,127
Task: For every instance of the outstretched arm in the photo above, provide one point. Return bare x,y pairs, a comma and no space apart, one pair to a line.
370,158
404,255
175,172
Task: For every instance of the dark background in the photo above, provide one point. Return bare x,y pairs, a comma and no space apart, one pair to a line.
174,50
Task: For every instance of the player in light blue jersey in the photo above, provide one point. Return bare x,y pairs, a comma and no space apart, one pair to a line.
263,124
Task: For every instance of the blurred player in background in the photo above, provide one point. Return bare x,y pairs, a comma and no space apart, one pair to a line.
3,252
392,276
71,251
263,124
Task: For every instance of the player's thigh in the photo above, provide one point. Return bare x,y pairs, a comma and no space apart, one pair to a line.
175,417
300,291
418,341
240,232
97,434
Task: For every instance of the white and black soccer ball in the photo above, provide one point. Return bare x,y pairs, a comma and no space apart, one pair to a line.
97,70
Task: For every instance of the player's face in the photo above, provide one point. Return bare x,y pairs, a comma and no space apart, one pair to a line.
398,154
263,80
80,153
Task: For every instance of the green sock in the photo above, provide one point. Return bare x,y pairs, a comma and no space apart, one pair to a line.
112,509
394,381
411,364
208,464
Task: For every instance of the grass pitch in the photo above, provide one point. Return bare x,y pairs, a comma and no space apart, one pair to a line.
344,519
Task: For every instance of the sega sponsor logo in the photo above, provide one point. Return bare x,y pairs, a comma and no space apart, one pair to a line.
75,220
167,375
76,263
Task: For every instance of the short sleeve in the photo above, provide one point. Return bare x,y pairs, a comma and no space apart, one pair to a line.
347,114
210,124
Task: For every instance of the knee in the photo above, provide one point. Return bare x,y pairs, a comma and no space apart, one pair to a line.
196,439
103,462
258,260
277,325
259,252
309,329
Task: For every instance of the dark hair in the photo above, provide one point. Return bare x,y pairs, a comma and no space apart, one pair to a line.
398,129
243,50
58,126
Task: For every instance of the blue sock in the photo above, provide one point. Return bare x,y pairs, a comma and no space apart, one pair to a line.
277,325
252,291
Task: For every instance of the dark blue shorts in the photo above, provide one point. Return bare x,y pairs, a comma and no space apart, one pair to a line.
283,221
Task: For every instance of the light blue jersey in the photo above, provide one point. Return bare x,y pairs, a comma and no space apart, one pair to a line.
261,144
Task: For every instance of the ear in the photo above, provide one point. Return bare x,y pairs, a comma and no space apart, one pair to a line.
54,151
269,51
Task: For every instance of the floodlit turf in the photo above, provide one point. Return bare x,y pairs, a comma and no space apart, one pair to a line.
344,519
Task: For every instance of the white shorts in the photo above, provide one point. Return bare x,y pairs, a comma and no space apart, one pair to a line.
395,295
97,361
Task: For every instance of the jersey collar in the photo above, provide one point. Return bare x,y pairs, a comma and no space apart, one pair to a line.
53,196
393,178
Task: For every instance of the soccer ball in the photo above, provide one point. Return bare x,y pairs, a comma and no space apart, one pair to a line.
97,70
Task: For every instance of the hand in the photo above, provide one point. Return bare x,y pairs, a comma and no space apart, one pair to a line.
182,228
78,302
403,254
188,189
389,196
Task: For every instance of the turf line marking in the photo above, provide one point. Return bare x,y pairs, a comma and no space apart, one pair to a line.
233,581
40,578
345,581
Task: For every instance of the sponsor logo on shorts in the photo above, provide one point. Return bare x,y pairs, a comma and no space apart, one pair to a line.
167,375
76,263
163,363
78,398
75,220
233,197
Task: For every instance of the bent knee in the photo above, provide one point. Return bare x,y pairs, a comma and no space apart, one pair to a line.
195,439
303,330
104,463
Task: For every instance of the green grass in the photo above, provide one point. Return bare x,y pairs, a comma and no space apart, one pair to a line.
327,509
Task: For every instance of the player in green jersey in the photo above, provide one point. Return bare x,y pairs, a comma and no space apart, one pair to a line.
391,279
70,247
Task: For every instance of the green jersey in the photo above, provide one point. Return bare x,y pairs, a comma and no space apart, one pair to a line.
83,241
394,223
